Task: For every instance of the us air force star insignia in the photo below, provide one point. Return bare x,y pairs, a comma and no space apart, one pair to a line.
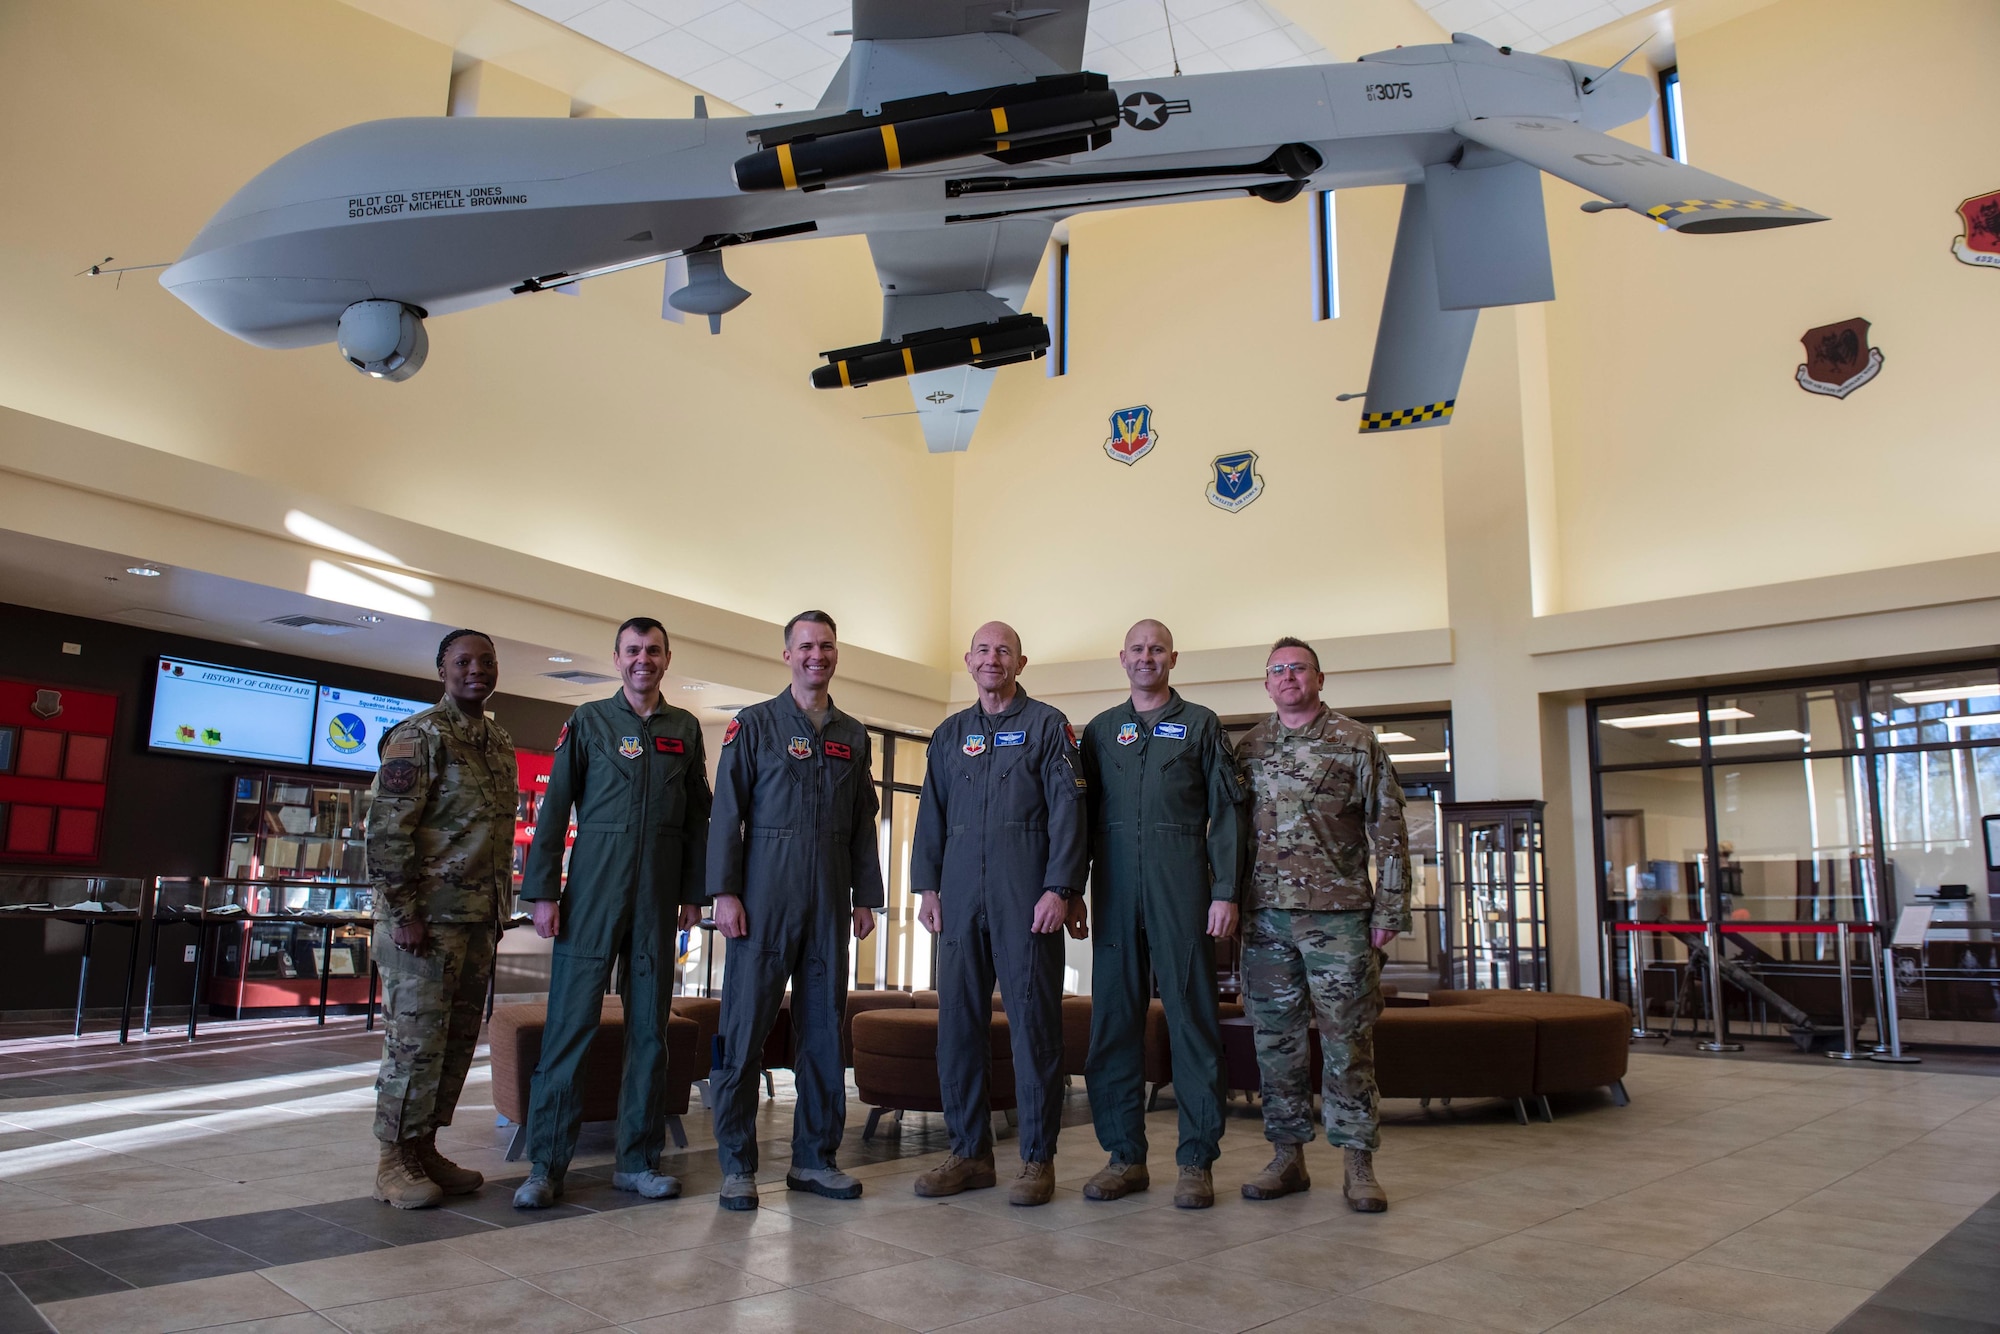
1147,110
1127,733
975,743
629,747
801,748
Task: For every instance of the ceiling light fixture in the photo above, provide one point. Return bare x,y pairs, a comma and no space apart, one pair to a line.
143,571
1673,719
560,657
1971,720
1740,738
1423,757
1951,692
1391,738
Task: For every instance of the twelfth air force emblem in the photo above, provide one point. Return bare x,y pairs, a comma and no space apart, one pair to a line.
1132,435
1980,244
1838,359
1235,483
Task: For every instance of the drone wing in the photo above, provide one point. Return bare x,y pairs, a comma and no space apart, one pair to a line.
1669,192
949,277
909,48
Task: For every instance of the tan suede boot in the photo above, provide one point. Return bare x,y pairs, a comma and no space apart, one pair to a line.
1284,1175
449,1176
957,1174
1195,1189
1364,1193
1036,1184
400,1180
1116,1181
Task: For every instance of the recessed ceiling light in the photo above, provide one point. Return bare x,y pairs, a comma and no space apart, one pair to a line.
369,618
560,657
143,571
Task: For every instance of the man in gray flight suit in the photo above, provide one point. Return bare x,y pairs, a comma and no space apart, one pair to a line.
633,768
1166,839
1000,855
792,867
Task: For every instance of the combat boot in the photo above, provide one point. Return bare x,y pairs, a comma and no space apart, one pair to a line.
1195,1189
539,1191
449,1176
1284,1175
1117,1180
739,1192
1364,1193
830,1182
1035,1185
957,1174
400,1180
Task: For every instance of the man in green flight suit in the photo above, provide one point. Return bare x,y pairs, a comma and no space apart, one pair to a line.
440,845
634,769
1323,797
1166,839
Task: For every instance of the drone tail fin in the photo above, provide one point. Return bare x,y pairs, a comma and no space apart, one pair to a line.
1420,347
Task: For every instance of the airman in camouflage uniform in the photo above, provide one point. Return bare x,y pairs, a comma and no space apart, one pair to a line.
1323,797
440,848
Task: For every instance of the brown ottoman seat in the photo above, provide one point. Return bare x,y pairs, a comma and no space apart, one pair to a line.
862,1002
895,1063
514,1036
1157,1053
706,1012
1456,1052
1581,1042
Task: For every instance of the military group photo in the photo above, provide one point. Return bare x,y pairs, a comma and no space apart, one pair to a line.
1147,832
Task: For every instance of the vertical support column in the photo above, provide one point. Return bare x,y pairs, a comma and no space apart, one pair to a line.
1719,1036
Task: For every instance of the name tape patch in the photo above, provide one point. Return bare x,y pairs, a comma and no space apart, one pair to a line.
669,745
1010,738
1178,731
836,750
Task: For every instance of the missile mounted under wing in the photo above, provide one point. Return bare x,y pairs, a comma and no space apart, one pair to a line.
955,137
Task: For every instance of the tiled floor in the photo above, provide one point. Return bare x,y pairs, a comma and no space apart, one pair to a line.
162,1187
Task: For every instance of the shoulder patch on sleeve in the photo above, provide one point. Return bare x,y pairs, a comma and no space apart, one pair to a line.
1070,732
399,777
729,732
562,736
403,749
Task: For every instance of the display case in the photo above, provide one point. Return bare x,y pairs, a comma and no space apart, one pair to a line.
280,945
1495,895
288,826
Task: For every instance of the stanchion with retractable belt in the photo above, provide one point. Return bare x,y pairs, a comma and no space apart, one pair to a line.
1844,943
1718,1019
1892,1029
1634,973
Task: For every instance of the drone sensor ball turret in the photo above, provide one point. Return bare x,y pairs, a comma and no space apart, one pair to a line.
384,339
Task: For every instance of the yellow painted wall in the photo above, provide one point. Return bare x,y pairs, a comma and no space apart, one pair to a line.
1686,458
584,429
1204,313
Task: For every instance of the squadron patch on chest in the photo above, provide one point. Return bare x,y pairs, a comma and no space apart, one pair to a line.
629,747
801,748
1010,738
838,751
1178,731
975,743
1127,733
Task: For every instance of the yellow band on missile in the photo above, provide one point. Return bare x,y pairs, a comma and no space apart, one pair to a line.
791,177
889,149
845,383
909,363
999,120
1001,146
975,347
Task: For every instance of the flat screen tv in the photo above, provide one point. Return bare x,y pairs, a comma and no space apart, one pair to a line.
200,708
349,724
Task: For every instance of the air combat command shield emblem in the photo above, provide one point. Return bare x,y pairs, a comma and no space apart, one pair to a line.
1132,435
1980,243
1236,482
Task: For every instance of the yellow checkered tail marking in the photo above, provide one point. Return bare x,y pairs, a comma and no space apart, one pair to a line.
1661,212
1401,417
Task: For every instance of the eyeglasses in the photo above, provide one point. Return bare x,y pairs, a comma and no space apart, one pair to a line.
1279,669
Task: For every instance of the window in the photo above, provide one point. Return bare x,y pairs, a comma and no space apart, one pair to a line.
1671,118
1326,259
1058,358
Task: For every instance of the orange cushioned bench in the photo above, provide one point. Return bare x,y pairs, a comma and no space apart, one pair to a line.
514,1034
